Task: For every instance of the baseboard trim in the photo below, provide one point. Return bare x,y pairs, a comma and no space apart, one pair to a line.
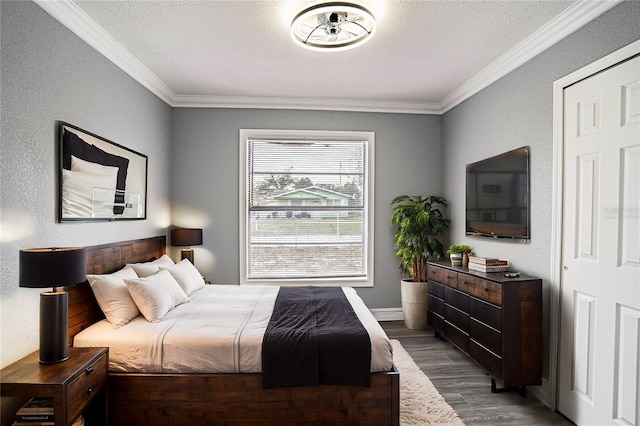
388,314
541,392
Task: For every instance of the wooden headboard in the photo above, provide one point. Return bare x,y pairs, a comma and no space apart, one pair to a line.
104,259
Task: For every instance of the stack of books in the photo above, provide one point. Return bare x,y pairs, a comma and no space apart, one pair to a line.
39,412
486,264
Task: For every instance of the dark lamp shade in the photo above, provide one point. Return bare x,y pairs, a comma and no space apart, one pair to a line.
186,237
52,267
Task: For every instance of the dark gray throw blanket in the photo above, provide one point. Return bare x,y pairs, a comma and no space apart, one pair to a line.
314,337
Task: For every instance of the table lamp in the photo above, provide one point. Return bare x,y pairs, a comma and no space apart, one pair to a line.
186,237
56,268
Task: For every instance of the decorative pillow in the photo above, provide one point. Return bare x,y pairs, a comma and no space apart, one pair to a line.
156,295
76,146
187,276
79,165
113,297
78,195
146,269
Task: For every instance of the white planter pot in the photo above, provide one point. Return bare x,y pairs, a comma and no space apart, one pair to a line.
414,304
456,259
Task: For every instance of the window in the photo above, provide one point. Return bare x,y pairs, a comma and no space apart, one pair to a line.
306,216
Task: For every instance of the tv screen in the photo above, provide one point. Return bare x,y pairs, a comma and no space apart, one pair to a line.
497,196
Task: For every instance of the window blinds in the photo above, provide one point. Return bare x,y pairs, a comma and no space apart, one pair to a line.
307,208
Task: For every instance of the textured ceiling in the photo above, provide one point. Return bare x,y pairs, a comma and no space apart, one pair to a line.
422,52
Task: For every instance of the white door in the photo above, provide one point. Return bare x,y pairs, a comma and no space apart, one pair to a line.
599,356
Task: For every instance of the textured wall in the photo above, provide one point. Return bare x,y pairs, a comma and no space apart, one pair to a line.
49,74
205,186
517,111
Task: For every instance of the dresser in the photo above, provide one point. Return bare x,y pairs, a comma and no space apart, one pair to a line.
496,321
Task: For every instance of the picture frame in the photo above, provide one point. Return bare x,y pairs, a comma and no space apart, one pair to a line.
99,180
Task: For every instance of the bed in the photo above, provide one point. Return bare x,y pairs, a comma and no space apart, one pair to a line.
190,397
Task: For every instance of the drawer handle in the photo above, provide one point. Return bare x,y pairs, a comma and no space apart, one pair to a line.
89,390
89,370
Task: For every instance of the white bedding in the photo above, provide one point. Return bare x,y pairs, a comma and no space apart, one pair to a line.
219,331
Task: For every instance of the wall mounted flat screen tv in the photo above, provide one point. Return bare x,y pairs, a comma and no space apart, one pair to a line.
497,196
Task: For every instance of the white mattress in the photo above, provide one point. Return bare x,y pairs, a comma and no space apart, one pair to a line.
219,331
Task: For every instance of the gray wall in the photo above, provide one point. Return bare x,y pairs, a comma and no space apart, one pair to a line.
49,74
205,192
517,111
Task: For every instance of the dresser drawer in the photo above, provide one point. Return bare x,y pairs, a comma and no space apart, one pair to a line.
457,299
486,336
489,291
483,289
435,321
458,318
465,284
490,361
435,289
486,313
456,336
84,387
443,275
435,304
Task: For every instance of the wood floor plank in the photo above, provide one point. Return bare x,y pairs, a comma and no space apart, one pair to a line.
466,387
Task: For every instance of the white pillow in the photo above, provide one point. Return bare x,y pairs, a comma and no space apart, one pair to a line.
80,165
78,194
149,268
156,295
187,276
113,297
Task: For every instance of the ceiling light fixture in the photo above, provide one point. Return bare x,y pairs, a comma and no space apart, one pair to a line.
333,26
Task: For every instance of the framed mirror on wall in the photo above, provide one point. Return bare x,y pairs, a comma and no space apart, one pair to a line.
98,179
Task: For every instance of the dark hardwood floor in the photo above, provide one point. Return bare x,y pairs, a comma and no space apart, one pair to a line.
465,386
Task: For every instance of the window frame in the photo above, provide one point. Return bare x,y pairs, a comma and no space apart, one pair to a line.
368,212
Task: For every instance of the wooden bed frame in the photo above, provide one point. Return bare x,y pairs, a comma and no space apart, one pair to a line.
208,399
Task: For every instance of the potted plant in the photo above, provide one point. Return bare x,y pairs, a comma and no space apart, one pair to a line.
459,254
419,222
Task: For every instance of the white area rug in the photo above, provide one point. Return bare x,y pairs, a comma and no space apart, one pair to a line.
420,402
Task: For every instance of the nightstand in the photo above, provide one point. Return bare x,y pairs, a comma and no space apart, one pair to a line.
72,384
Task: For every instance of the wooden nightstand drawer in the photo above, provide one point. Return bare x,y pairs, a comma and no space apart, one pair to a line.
84,387
442,275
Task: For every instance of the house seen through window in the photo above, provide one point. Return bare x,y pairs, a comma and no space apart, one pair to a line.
306,216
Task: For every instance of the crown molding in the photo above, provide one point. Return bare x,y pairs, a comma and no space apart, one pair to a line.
574,17
75,19
325,104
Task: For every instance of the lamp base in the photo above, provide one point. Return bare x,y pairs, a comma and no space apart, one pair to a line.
54,327
187,254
